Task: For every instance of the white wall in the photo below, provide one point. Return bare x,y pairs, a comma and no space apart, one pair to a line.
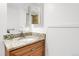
63,41
62,22
3,18
16,16
58,14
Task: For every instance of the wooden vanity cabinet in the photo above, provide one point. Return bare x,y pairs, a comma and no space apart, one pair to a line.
34,49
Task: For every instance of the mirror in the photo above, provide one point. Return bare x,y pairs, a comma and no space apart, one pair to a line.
24,15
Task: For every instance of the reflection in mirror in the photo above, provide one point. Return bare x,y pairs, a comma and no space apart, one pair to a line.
34,19
21,16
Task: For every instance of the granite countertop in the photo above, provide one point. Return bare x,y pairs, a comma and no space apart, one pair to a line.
22,41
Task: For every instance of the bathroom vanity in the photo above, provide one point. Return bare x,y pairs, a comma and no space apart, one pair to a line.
28,46
25,30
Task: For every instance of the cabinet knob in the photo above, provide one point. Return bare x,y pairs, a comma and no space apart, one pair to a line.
32,49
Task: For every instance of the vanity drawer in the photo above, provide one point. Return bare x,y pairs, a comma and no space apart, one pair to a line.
27,49
38,52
